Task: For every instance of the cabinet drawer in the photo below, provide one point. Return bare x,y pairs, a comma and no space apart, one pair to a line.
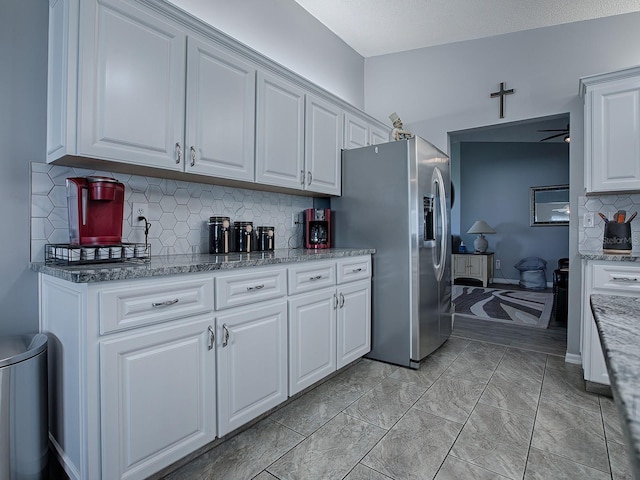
353,268
311,276
135,305
251,286
616,278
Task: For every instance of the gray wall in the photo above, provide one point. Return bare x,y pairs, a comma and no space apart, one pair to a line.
494,180
23,60
284,31
446,88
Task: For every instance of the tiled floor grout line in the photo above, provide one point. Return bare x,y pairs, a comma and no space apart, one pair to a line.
361,379
535,416
402,416
471,412
266,469
610,472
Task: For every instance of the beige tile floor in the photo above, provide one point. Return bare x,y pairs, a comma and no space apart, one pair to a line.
472,411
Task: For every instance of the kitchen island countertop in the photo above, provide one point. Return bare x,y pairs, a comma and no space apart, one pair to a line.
160,265
618,322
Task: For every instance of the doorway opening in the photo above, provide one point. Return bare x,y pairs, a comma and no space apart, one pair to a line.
494,169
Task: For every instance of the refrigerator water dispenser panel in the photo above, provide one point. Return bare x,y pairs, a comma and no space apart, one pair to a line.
429,232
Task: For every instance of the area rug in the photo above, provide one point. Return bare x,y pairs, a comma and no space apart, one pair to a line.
517,307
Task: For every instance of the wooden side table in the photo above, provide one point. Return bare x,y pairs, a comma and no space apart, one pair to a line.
478,266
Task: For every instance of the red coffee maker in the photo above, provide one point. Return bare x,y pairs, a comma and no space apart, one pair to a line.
317,228
96,207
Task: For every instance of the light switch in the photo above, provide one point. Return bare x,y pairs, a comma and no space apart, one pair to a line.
588,220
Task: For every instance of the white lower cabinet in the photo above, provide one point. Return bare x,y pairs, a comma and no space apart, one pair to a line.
144,372
158,396
330,327
354,322
609,278
312,338
252,362
130,392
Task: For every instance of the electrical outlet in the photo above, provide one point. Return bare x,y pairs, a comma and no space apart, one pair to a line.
498,264
139,210
294,219
588,220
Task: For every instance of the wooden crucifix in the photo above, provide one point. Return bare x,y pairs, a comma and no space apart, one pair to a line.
502,93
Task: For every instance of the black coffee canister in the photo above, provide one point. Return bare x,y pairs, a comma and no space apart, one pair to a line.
617,237
244,236
220,235
266,238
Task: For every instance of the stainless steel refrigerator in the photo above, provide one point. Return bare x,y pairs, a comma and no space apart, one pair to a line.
396,199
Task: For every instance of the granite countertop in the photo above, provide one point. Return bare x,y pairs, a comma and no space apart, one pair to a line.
633,256
160,265
618,322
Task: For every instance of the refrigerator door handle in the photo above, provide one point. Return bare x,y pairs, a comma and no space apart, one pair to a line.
438,190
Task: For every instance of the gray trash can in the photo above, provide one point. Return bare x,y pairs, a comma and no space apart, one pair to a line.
24,443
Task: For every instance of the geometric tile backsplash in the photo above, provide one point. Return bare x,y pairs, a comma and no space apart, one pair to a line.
178,210
590,238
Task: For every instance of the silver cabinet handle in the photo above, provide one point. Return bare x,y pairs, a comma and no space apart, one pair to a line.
625,279
193,155
212,338
341,300
165,304
301,177
178,153
257,287
309,178
225,330
335,301
317,277
356,270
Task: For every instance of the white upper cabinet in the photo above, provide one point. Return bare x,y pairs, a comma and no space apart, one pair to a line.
378,135
220,127
280,133
142,83
361,133
612,131
298,139
356,132
148,92
323,142
131,101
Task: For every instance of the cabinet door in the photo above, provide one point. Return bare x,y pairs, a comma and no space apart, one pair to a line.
460,266
612,136
323,146
252,362
378,135
279,133
312,338
356,132
157,397
354,322
220,113
475,265
131,99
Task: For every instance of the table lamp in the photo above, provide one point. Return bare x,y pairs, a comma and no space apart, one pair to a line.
480,244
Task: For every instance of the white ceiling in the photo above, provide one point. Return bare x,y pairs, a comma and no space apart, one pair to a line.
377,27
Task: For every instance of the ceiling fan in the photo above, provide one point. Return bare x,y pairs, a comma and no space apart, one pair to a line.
563,132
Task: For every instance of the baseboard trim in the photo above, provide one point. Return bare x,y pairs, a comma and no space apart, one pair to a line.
574,358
